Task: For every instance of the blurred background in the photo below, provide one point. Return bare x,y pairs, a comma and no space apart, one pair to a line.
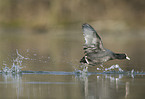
45,14
49,31
48,34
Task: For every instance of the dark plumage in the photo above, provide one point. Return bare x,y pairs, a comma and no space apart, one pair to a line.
95,53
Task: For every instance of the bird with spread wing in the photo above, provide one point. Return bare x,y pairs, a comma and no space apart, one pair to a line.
94,51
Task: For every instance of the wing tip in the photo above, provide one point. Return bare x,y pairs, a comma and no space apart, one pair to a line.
85,24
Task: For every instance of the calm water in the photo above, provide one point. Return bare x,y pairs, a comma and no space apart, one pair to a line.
44,86
60,51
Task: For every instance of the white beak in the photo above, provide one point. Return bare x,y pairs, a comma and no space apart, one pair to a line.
127,58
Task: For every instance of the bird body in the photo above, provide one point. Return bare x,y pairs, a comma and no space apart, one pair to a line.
95,53
99,57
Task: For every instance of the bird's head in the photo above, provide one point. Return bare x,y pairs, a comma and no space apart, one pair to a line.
121,56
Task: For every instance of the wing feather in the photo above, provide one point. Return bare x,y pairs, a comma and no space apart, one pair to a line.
92,39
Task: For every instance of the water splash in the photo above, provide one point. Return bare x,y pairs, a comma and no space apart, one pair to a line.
16,66
114,68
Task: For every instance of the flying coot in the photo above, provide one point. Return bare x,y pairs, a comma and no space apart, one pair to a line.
95,53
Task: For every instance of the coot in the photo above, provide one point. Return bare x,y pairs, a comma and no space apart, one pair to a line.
95,53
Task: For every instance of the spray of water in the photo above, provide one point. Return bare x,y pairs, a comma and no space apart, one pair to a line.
16,66
116,68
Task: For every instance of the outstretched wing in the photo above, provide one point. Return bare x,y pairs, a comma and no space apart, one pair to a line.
93,41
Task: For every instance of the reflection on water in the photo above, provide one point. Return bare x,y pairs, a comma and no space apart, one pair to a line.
109,87
100,86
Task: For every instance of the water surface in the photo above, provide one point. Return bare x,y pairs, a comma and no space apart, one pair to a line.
43,86
58,53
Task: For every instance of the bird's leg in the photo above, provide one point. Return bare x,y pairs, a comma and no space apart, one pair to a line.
86,60
86,65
